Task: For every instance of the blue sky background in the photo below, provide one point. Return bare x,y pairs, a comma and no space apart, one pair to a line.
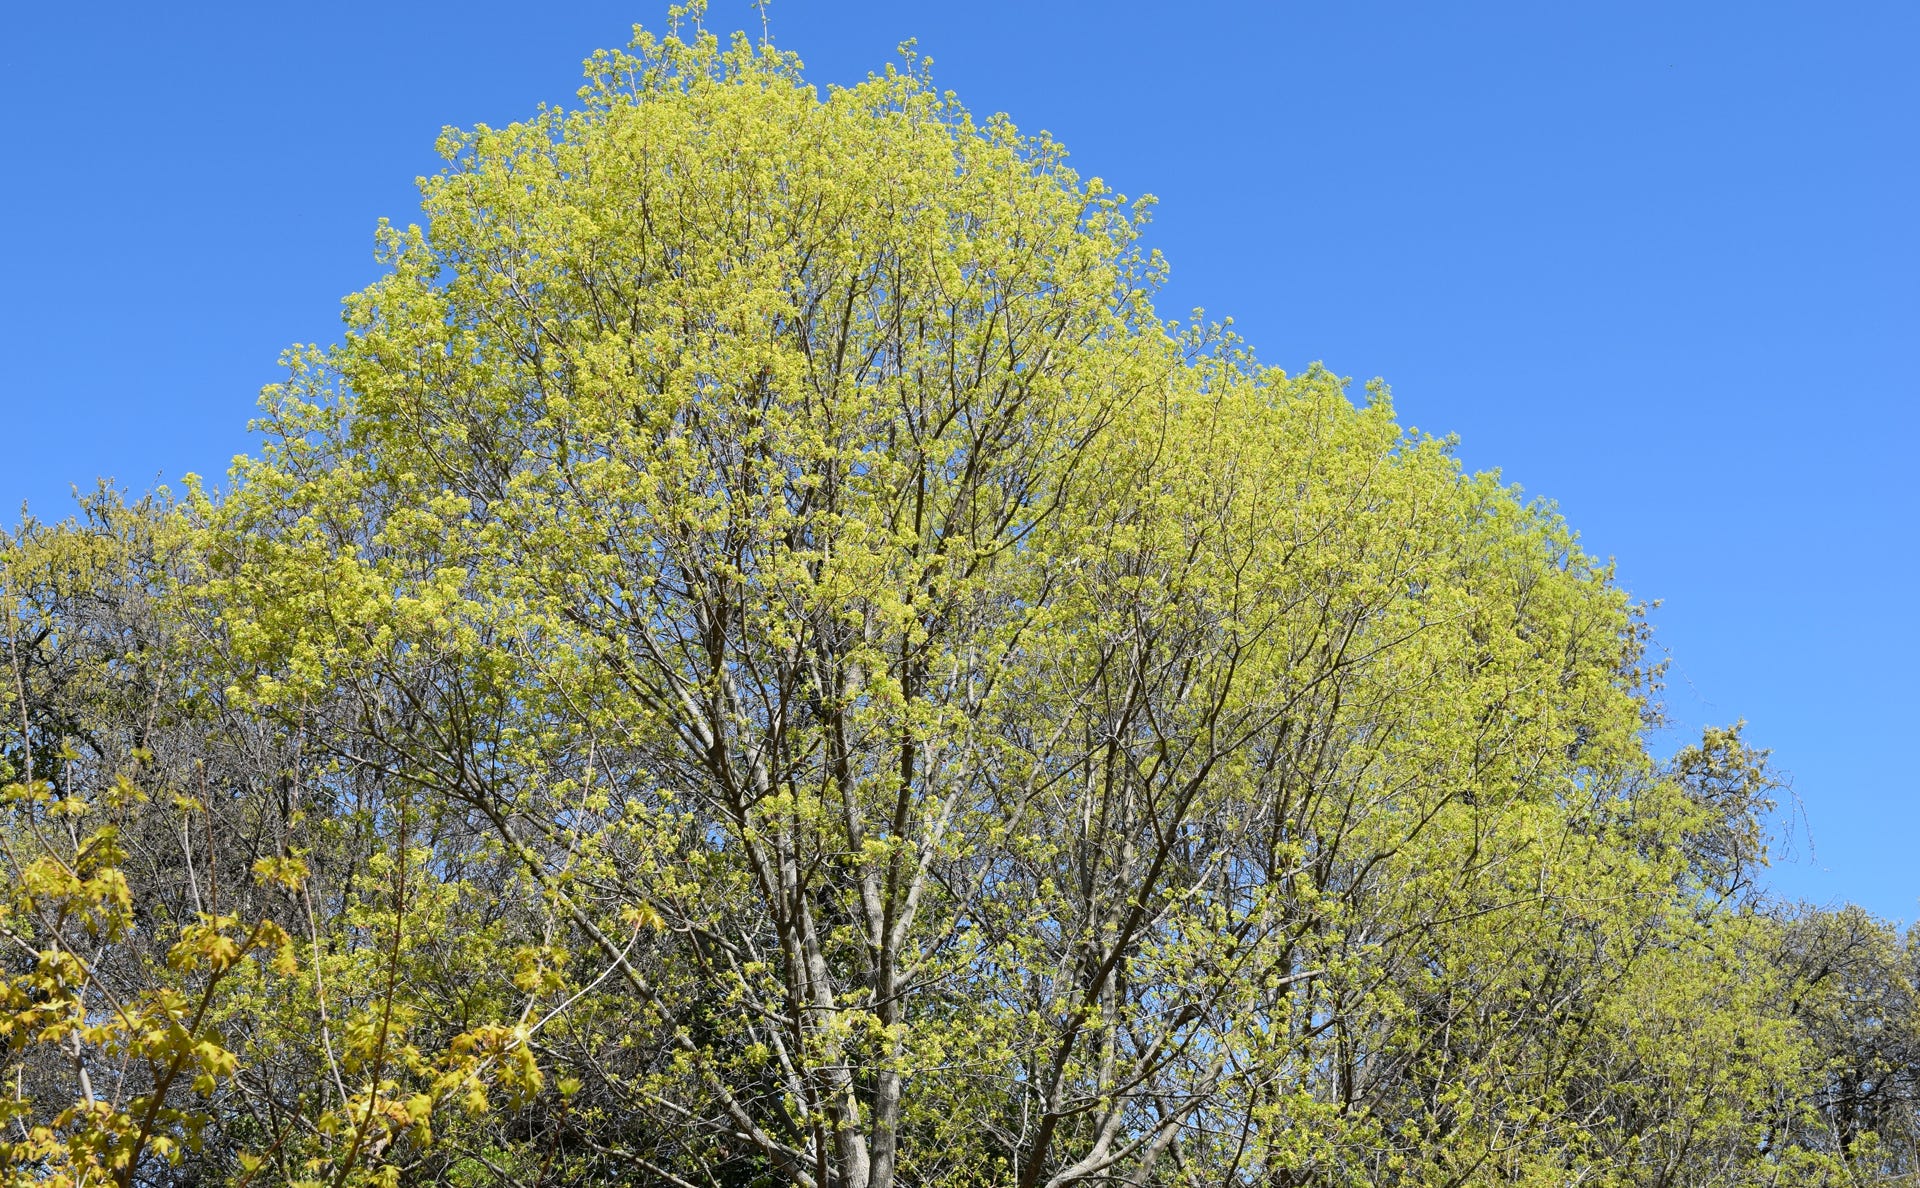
1655,262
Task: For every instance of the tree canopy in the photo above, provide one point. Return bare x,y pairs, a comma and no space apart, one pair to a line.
762,659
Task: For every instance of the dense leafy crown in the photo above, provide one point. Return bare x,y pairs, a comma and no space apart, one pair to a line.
762,659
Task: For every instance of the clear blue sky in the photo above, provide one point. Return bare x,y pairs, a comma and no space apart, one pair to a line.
1659,263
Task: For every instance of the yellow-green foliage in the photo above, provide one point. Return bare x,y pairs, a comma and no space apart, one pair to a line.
762,659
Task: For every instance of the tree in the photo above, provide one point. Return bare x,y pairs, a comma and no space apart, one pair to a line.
116,965
762,659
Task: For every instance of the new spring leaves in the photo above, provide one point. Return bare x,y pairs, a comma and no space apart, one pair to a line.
762,659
